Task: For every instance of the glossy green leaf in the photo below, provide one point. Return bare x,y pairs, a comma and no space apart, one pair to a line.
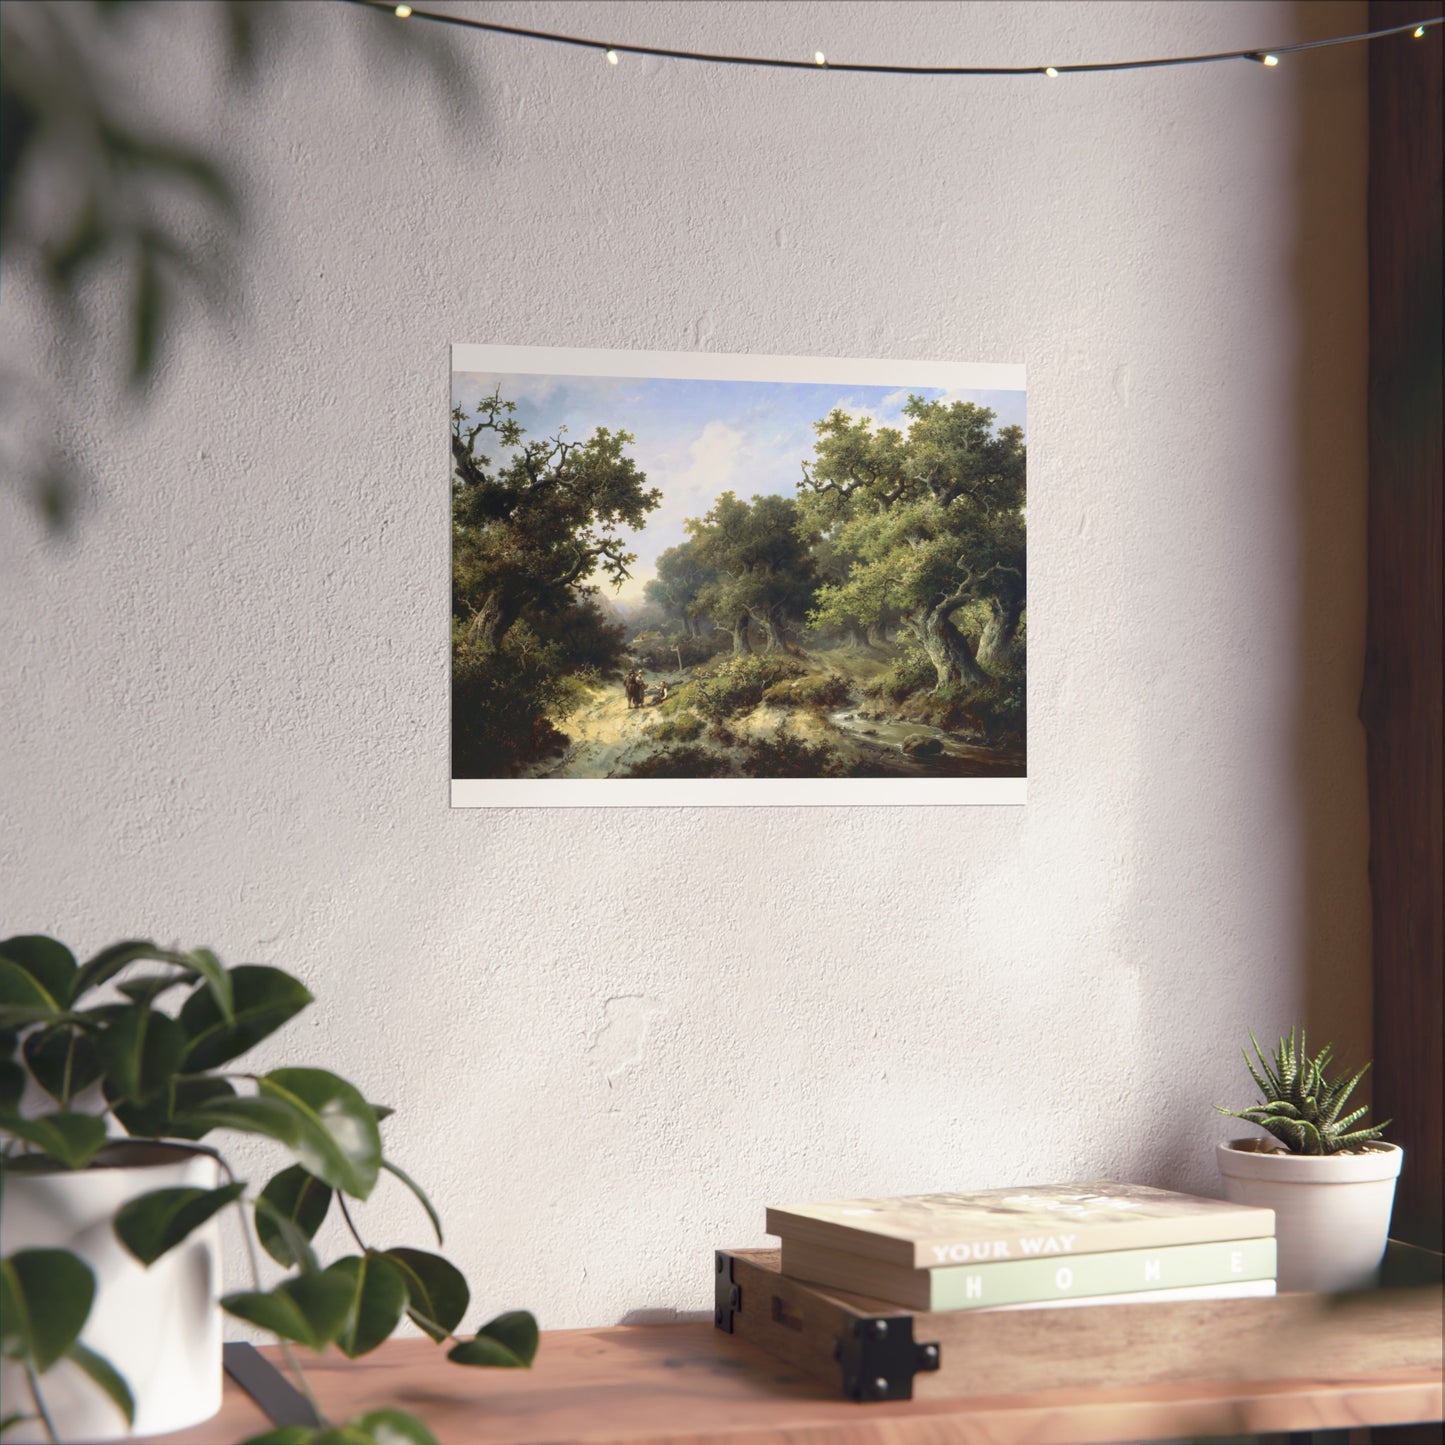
14,1326
271,1118
9,1422
12,1086
73,1139
517,1330
151,1224
63,1060
45,1300
213,971
97,1018
382,1111
340,1143
284,1435
141,1051
341,1435
104,1374
163,1116
416,1189
49,963
303,1257
310,1310
263,999
109,962
299,1197
279,1115
23,999
437,1293
187,1094
507,1342
392,1427
378,1296
148,989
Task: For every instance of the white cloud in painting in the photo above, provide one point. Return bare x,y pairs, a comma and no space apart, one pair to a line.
690,474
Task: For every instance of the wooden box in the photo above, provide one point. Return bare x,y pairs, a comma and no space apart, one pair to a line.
871,1350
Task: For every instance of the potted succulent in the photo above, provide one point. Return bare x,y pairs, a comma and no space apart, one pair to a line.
1331,1185
113,1085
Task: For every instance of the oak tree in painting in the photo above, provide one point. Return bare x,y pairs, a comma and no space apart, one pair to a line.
527,535
932,522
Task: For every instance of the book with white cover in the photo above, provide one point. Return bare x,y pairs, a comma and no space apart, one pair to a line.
924,1231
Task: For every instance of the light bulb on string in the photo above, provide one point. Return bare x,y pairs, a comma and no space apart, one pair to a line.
1051,72
402,11
819,58
1418,32
1271,60
612,57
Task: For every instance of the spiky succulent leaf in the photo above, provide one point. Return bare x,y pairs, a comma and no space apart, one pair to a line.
1338,1126
1285,1066
1259,1083
1360,1136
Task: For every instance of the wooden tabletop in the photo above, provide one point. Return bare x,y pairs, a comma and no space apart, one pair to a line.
694,1385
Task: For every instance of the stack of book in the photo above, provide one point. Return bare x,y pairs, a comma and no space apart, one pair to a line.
1031,1247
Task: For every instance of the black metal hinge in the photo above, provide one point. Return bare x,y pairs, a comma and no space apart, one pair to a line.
727,1296
880,1358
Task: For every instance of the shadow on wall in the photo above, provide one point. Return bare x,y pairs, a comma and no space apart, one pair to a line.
1326,910
156,218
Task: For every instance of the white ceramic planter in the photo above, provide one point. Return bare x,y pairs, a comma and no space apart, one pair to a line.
160,1327
1331,1212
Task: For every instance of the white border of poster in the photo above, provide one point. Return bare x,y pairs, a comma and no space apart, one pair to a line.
734,792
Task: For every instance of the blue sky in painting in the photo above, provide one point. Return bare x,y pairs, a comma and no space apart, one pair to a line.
695,439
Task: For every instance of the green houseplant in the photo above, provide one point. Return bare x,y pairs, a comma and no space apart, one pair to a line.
105,1067
1331,1184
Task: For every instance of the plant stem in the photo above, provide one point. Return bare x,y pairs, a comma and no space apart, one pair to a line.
346,1215
39,1403
69,1072
292,1363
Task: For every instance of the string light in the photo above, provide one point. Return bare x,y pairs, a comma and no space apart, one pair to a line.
612,57
1261,56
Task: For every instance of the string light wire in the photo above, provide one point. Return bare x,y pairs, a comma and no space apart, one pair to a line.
1268,55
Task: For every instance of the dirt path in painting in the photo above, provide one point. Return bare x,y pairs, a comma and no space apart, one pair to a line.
607,737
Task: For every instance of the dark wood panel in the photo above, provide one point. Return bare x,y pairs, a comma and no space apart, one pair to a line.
1401,701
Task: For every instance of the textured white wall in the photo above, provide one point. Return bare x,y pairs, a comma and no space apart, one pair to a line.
612,1037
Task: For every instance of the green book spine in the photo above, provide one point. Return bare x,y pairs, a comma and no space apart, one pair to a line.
1027,1281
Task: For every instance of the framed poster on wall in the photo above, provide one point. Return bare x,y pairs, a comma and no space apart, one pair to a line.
683,579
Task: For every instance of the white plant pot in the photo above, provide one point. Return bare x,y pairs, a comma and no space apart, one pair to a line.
1331,1211
160,1327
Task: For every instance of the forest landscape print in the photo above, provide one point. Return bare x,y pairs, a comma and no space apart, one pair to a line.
695,578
